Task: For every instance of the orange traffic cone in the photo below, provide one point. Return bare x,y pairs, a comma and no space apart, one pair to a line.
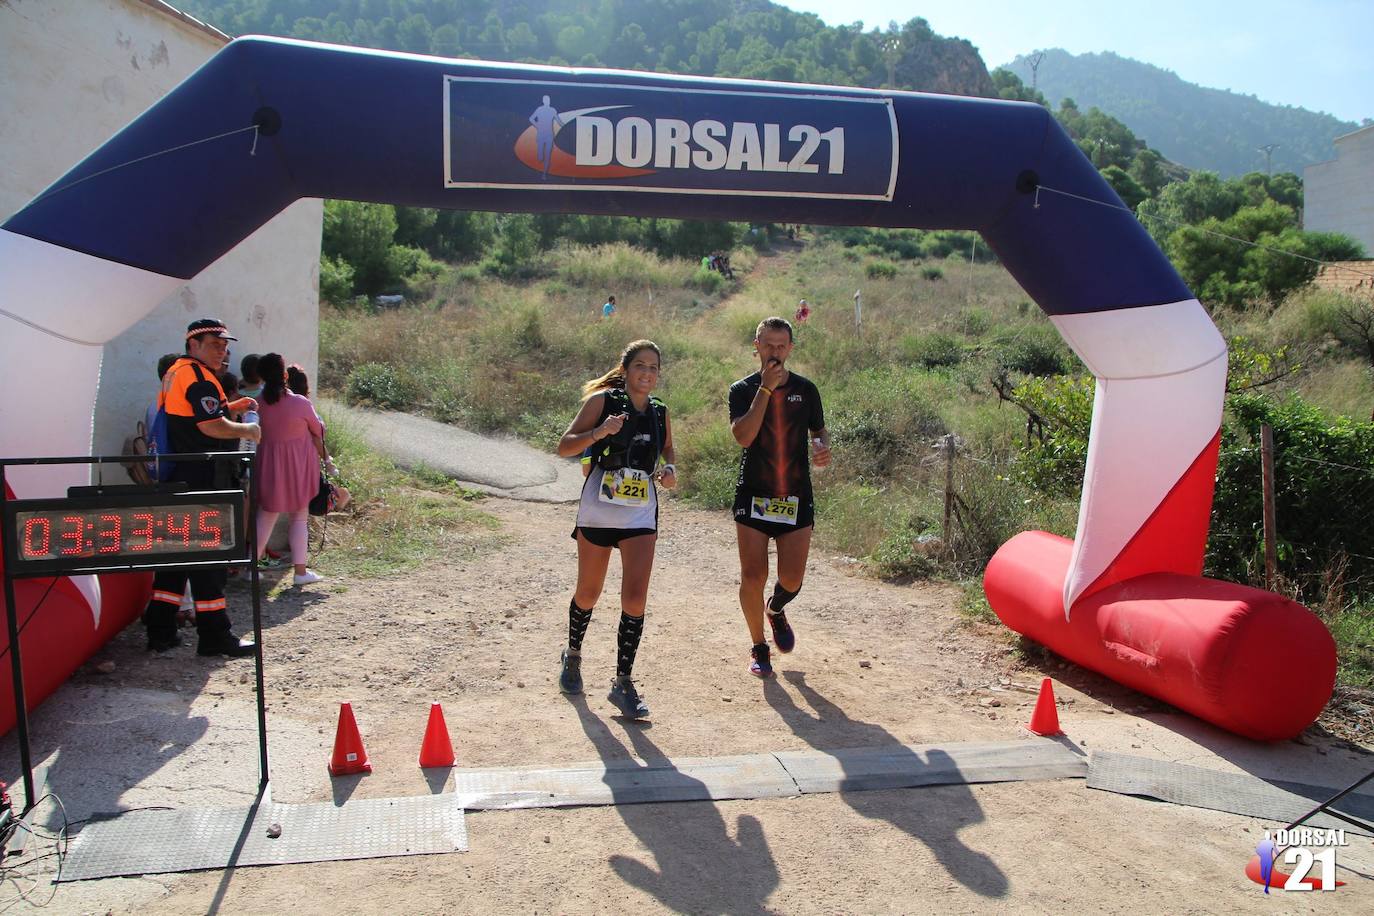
436,750
1045,720
349,755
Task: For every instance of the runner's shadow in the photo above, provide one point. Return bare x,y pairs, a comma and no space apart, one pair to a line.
933,818
700,867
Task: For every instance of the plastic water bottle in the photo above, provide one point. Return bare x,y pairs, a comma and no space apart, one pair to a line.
248,445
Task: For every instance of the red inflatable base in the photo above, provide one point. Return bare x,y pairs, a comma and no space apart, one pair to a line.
1247,660
63,633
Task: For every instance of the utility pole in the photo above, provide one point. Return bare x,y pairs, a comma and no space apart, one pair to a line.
1268,150
1035,69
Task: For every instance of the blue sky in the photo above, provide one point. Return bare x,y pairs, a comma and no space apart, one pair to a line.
1318,54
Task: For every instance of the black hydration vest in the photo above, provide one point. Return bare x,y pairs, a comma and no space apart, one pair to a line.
626,449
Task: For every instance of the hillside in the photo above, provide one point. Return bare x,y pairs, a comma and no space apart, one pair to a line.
752,39
1195,126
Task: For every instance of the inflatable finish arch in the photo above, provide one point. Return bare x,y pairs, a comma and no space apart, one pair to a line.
130,224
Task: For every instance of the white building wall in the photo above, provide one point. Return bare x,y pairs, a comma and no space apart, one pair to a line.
1338,196
72,74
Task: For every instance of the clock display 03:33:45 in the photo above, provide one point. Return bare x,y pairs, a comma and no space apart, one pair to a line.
134,531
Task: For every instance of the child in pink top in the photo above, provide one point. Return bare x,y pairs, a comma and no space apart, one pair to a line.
289,458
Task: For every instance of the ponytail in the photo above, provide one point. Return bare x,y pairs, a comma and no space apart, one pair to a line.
272,371
615,379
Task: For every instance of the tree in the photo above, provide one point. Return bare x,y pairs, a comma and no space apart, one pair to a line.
1203,196
1148,171
522,41
415,226
446,41
1258,252
414,34
1009,86
361,234
1126,187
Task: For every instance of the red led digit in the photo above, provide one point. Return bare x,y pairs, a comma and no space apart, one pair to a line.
110,536
215,532
41,549
73,535
145,530
184,530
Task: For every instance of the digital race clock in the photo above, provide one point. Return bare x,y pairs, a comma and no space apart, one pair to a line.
114,530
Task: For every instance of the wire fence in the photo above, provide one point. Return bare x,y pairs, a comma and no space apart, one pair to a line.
1318,546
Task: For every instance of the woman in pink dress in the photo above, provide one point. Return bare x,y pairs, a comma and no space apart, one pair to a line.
289,457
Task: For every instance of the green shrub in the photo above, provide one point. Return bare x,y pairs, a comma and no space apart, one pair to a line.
1323,494
932,350
1060,411
709,456
708,281
544,429
1353,628
880,270
336,280
909,550
380,386
1035,349
994,506
932,273
974,323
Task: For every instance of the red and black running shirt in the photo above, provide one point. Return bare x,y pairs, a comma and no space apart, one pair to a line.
777,464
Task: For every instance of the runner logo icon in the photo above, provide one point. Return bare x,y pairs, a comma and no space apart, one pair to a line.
1294,847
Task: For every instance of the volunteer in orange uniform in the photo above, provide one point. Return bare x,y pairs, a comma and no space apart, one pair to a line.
198,421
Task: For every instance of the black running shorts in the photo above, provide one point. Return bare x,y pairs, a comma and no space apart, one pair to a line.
611,537
744,515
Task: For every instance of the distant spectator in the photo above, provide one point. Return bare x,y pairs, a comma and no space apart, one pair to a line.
249,381
230,383
608,309
297,380
803,312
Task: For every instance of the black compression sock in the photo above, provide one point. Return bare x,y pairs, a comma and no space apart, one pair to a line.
780,598
628,643
577,625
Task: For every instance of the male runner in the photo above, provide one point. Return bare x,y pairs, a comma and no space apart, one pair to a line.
771,414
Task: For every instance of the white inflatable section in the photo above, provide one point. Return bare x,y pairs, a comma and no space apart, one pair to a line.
57,309
1161,383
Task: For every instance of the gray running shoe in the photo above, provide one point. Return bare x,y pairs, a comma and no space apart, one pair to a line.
626,698
570,678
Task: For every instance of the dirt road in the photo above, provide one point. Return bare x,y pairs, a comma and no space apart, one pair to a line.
876,664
